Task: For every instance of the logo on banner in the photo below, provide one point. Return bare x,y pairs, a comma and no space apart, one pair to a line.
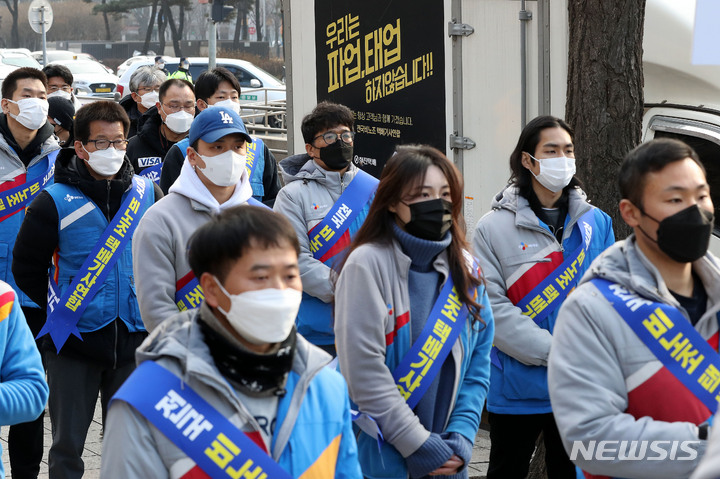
635,450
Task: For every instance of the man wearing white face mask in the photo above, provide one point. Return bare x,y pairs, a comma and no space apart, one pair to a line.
161,127
60,80
27,155
219,87
80,230
213,179
263,390
534,246
144,94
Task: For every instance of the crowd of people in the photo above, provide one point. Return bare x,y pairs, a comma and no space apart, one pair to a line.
151,256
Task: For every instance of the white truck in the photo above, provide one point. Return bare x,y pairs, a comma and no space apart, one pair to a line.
502,61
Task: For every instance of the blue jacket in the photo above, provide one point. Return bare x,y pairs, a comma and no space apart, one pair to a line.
516,250
10,226
80,225
313,426
23,391
373,334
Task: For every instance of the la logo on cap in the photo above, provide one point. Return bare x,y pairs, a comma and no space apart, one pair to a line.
225,117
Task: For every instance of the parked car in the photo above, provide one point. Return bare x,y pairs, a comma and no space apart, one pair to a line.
138,58
258,86
91,78
61,55
17,58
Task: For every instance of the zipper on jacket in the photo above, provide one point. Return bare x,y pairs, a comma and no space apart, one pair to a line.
108,201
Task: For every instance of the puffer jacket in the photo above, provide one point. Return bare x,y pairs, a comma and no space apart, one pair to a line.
15,173
149,146
314,411
373,332
306,198
606,384
517,250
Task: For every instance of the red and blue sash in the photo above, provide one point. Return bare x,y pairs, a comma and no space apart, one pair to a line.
189,293
216,445
14,199
550,291
342,214
65,311
671,338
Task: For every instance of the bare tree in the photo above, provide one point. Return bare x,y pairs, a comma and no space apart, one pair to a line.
151,25
605,93
14,34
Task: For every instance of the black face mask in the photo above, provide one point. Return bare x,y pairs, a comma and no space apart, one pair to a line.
684,236
430,219
337,155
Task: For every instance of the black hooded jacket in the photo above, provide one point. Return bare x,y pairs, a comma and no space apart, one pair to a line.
149,146
130,107
38,239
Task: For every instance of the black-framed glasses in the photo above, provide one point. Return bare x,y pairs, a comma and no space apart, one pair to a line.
105,144
176,108
331,137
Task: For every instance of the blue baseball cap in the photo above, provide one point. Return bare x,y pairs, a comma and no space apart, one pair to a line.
215,122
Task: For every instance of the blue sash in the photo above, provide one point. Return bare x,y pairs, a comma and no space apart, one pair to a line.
17,198
545,297
423,361
671,338
152,173
191,295
216,445
251,164
342,213
65,312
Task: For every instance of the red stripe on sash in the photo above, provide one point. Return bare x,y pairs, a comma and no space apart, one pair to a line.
342,243
17,181
400,321
532,277
197,473
180,284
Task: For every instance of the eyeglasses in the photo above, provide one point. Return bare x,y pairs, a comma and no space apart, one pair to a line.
331,137
105,144
176,108
54,88
156,89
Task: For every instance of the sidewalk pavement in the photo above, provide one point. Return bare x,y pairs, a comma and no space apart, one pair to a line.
93,448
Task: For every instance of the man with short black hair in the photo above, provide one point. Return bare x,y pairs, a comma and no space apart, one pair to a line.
634,355
213,179
282,414
144,93
162,126
80,230
27,155
219,87
315,189
60,83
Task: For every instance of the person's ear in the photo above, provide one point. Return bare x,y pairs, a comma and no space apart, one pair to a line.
201,104
630,213
309,148
526,160
80,151
210,289
194,158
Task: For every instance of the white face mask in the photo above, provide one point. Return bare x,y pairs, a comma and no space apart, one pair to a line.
61,94
224,169
33,112
229,104
179,122
264,316
106,162
149,99
555,173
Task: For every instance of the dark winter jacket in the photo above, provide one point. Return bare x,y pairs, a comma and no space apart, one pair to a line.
149,146
130,107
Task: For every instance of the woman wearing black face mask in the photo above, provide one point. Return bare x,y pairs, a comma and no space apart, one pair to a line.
394,312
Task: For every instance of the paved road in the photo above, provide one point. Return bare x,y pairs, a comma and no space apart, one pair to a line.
93,449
